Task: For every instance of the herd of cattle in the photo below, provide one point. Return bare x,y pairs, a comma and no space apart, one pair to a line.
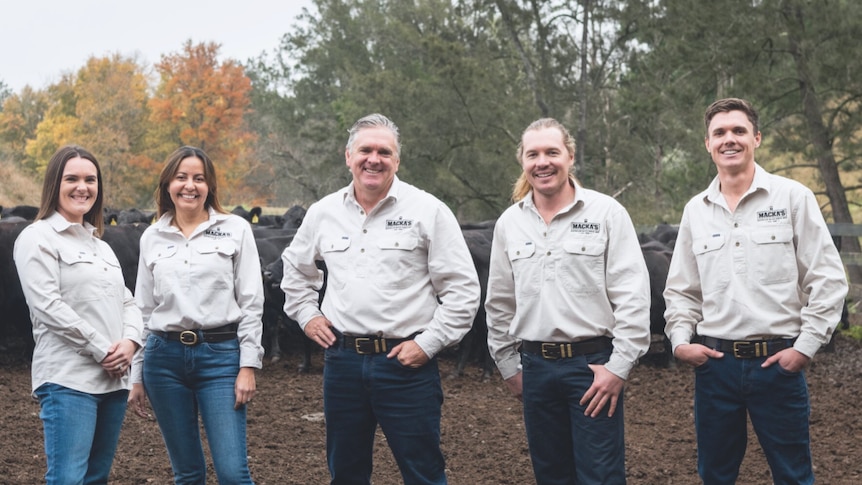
272,234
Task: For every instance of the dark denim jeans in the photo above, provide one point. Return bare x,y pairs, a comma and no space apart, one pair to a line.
81,433
360,391
566,447
181,380
727,390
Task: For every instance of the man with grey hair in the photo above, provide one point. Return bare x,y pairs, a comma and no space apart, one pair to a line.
401,287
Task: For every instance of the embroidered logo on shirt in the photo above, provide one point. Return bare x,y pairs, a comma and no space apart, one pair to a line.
772,215
216,233
399,224
586,227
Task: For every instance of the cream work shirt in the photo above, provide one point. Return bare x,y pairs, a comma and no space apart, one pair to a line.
767,270
211,279
581,276
404,268
79,304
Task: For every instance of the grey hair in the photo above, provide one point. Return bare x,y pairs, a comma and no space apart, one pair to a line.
375,120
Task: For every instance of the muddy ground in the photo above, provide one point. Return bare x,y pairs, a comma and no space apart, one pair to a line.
483,434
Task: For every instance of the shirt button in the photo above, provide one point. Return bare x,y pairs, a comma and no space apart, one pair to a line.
735,224
362,250
517,253
737,243
396,244
548,253
365,231
773,238
186,262
583,248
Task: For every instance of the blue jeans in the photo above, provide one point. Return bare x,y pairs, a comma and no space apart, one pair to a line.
728,389
567,447
360,391
81,433
181,380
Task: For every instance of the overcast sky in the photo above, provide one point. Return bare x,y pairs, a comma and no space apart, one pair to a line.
42,39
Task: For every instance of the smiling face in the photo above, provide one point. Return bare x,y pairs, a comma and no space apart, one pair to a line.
79,187
731,141
373,160
188,188
546,161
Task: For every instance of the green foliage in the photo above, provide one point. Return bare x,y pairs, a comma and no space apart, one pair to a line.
854,332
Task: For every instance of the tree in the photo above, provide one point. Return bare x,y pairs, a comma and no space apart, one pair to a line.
19,118
202,102
434,66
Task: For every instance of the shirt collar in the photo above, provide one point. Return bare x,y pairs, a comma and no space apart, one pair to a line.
348,193
60,223
581,196
759,182
164,222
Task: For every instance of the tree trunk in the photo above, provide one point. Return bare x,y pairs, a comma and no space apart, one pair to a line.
820,137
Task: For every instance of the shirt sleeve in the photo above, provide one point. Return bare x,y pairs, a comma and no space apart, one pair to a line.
500,307
454,279
146,303
822,279
302,279
628,291
248,291
682,293
39,271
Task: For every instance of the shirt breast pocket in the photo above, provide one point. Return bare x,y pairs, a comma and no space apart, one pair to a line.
774,255
583,265
215,268
714,273
335,254
78,275
402,261
526,269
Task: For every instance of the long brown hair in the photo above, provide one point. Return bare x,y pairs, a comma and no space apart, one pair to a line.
54,177
172,166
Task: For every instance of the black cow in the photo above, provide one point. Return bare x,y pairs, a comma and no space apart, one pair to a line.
27,212
293,217
251,216
475,343
273,273
657,259
125,240
16,326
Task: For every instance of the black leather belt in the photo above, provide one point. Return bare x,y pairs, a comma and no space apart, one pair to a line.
371,344
562,350
746,349
194,337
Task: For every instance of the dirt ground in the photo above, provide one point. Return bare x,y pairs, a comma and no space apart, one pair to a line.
483,433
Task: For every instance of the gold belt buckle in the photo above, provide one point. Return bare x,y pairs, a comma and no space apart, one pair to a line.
357,342
546,348
761,349
188,337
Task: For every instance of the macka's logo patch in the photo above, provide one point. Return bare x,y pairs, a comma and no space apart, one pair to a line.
586,227
772,215
399,224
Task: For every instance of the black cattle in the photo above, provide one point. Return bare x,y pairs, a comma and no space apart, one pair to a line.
135,216
251,216
475,343
125,240
273,273
26,212
657,259
16,329
293,217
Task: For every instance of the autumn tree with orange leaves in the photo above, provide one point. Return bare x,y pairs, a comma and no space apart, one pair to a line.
202,102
